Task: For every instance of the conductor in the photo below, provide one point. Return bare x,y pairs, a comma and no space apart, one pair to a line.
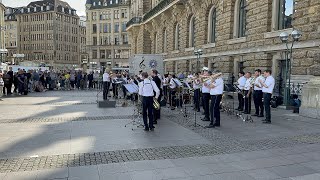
146,89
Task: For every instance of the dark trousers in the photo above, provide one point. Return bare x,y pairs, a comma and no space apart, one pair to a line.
197,99
124,90
21,87
7,88
206,99
147,109
106,86
266,100
115,89
172,97
90,84
72,83
241,101
214,109
258,104
247,102
165,92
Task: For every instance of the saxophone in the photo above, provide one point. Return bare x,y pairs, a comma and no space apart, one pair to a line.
155,104
252,81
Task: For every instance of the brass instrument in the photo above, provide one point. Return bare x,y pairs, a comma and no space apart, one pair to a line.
212,77
252,81
156,104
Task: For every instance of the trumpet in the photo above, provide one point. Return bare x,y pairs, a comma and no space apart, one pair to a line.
212,77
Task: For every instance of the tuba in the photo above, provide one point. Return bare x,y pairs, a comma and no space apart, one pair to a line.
156,104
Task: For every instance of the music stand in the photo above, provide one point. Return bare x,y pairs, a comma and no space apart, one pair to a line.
134,89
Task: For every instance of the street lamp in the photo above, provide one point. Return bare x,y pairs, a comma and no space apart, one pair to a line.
198,53
284,37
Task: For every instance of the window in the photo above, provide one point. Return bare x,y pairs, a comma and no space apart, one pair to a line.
94,54
212,25
164,49
240,19
124,13
123,26
192,31
105,28
94,28
94,16
116,39
176,38
102,54
285,10
116,27
125,39
94,39
116,14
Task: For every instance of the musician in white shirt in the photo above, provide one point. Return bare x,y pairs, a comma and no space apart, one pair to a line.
241,83
146,89
258,94
173,85
267,89
247,93
206,94
165,83
216,91
106,84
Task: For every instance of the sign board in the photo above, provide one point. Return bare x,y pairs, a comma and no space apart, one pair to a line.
18,55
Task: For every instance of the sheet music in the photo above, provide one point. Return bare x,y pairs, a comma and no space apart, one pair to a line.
132,88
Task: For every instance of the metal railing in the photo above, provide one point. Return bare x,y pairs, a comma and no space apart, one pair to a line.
134,20
163,4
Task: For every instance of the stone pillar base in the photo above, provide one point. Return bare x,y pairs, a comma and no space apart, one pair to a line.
311,99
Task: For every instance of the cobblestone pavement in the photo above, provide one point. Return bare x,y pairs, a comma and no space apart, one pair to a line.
63,135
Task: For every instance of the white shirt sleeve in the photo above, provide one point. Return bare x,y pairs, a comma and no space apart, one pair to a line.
217,82
140,88
269,82
156,89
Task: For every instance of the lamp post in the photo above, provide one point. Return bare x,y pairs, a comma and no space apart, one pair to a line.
198,53
284,36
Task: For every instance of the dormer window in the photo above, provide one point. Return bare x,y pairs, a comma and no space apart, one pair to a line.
41,8
99,3
22,10
62,9
35,9
94,3
28,9
48,8
110,1
69,11
105,4
117,2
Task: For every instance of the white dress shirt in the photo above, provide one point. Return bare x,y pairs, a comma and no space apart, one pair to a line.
195,85
270,82
106,77
173,83
241,82
247,86
206,89
218,89
257,82
146,88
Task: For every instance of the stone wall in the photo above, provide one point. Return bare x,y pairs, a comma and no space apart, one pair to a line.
261,46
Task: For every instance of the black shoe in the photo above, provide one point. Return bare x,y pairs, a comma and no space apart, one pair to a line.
210,126
217,125
146,129
205,119
173,108
261,115
240,109
255,115
266,122
198,110
155,122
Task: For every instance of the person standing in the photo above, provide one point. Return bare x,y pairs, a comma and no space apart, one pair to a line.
10,72
90,79
106,84
7,86
258,94
241,83
157,80
1,86
146,89
216,91
173,91
267,89
247,94
206,94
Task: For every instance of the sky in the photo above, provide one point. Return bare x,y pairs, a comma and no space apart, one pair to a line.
79,5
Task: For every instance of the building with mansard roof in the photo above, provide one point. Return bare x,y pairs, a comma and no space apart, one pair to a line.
48,34
107,38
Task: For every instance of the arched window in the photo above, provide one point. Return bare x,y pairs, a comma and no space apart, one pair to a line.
212,21
283,12
176,38
240,19
164,48
192,31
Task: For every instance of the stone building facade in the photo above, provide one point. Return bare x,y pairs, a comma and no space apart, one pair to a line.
2,32
48,34
235,35
107,38
11,34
